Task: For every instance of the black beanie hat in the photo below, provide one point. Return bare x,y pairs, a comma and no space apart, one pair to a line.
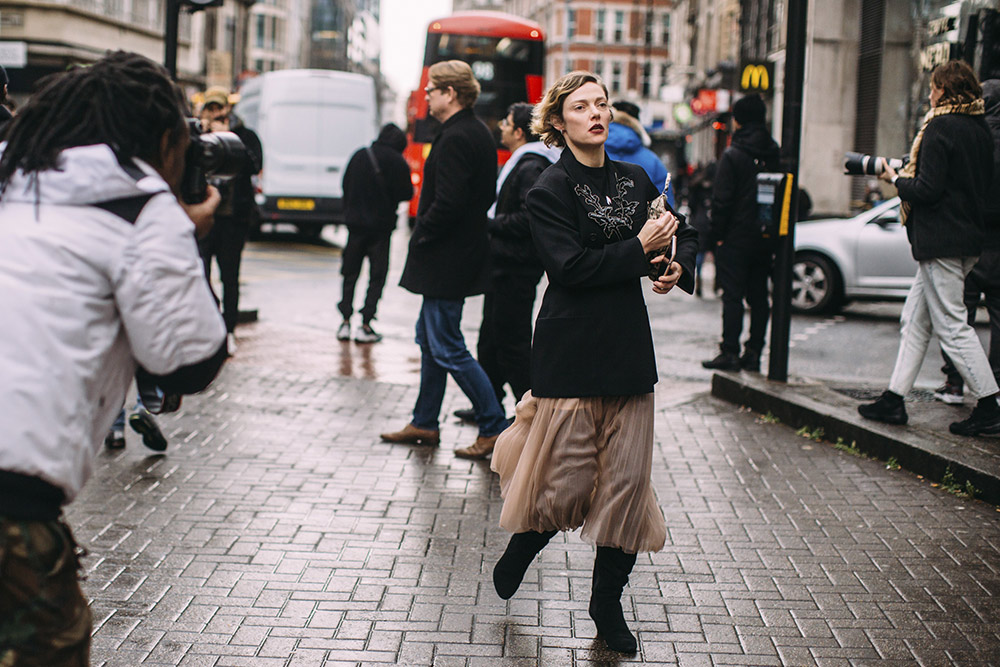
749,109
3,77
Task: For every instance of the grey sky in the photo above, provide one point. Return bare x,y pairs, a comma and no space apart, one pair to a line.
404,25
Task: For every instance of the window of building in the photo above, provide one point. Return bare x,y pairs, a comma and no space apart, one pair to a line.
665,29
272,30
601,17
599,68
258,65
619,27
259,39
664,69
648,28
647,75
616,77
571,30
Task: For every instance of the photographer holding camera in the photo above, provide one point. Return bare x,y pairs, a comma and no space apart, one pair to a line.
943,188
100,275
232,220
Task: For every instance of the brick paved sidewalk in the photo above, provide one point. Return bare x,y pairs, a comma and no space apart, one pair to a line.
278,530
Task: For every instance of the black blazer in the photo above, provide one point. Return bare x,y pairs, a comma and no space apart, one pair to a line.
592,335
954,172
449,250
510,235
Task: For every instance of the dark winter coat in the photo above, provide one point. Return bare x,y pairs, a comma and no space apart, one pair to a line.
449,249
991,210
510,234
242,189
369,203
954,172
592,335
734,194
5,118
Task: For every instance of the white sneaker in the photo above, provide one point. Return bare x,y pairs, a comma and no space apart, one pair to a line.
344,332
367,335
231,344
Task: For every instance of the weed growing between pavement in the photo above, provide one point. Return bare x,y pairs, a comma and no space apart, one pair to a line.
768,418
851,449
811,433
892,464
956,488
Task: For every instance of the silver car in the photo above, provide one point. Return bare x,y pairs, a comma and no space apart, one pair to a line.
864,257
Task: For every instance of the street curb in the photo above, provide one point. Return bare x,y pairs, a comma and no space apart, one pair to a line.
802,402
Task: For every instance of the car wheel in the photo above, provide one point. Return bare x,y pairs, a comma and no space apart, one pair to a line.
815,285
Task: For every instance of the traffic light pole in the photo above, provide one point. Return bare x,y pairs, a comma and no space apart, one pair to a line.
791,135
170,37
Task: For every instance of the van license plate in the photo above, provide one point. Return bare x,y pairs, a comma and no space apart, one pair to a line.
296,204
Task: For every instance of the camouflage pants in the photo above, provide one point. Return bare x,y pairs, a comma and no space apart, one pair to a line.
44,618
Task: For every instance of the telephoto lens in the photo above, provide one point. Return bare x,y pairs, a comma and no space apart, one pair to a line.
859,164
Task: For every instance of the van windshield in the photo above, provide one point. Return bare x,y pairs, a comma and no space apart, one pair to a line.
313,129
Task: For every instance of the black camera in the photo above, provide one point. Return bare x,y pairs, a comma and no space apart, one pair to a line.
859,164
215,155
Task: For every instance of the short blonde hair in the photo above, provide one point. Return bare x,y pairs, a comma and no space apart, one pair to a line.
550,108
459,77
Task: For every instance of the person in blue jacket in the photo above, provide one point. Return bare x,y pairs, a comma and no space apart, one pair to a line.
628,141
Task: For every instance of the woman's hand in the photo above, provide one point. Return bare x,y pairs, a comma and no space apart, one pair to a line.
666,282
888,173
657,232
203,214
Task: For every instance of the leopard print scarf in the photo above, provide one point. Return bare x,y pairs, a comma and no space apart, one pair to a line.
977,107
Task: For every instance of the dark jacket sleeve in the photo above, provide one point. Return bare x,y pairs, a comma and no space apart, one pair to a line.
398,180
932,170
724,198
456,169
187,379
687,250
256,151
514,225
566,260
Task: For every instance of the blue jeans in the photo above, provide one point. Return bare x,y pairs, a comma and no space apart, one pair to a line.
443,351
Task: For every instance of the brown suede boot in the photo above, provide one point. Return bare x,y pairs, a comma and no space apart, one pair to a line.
480,449
411,435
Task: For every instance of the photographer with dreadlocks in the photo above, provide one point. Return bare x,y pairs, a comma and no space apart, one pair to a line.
99,273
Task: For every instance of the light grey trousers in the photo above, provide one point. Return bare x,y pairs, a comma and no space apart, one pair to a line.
935,305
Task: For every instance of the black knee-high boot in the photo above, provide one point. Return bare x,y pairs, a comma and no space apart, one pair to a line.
521,550
611,570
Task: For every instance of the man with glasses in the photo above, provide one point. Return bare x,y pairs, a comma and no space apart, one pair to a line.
448,255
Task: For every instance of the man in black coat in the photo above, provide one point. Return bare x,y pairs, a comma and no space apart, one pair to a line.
504,348
743,257
232,219
448,256
377,178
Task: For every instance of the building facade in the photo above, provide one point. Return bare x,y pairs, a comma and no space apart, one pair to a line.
627,42
39,37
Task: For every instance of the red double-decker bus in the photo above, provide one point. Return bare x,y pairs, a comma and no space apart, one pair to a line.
507,55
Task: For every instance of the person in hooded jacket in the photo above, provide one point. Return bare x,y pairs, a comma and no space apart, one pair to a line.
984,280
377,178
101,278
629,142
743,258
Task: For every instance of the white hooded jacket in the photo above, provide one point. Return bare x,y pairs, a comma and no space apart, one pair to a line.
86,294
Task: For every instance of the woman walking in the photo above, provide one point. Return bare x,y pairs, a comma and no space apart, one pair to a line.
580,450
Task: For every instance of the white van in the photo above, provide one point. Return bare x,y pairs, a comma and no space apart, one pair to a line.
309,122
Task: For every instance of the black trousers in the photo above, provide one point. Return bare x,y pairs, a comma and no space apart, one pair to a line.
361,243
742,273
225,242
504,348
984,279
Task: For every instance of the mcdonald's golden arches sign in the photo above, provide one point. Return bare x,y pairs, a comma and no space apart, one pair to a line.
757,77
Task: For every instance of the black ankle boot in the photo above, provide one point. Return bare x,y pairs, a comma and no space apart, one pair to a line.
521,550
611,570
888,408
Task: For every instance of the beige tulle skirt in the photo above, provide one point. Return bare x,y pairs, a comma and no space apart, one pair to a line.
571,462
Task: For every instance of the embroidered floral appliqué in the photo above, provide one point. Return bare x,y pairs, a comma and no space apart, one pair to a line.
615,215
